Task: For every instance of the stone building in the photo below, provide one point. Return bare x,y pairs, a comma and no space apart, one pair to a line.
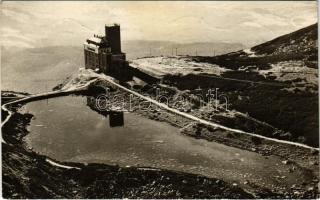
103,53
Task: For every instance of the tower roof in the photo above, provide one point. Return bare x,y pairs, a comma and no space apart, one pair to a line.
110,25
95,40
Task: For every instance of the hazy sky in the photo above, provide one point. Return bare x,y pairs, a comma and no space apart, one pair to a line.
33,24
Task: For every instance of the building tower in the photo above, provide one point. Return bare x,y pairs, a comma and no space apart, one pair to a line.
113,37
103,54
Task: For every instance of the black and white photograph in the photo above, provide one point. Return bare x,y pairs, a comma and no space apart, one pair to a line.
159,100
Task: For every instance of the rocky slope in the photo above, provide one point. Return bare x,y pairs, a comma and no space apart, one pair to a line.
303,41
275,82
300,45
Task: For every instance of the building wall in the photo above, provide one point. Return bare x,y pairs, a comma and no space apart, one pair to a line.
120,56
91,55
113,37
91,59
103,62
96,58
105,54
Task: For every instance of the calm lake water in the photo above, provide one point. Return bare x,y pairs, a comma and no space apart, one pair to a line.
67,129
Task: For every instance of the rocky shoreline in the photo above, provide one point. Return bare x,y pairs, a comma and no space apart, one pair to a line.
37,178
28,175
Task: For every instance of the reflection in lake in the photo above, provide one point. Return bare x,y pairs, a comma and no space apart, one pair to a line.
71,129
116,118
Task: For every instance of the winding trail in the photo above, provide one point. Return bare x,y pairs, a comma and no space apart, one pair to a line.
41,96
112,82
202,121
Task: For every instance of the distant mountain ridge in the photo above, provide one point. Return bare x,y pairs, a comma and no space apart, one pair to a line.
141,48
300,45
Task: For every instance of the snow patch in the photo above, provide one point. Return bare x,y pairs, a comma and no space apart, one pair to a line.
290,70
250,52
160,66
59,165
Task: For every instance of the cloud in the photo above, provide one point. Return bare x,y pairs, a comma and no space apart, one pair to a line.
252,24
17,14
13,37
69,23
